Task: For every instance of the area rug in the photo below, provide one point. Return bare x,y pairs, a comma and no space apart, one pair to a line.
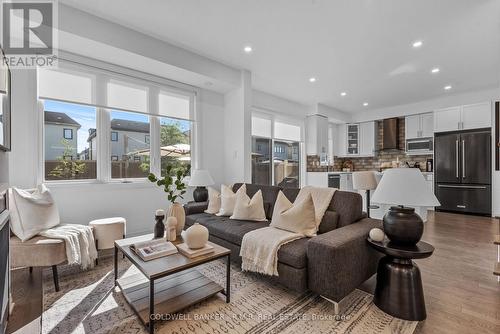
88,302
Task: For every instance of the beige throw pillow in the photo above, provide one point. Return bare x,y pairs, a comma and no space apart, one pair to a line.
249,209
213,201
297,217
228,199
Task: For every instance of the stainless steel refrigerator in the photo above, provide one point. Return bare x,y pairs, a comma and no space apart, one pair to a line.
462,171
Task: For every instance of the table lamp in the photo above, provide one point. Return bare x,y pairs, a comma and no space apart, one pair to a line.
403,187
200,178
364,181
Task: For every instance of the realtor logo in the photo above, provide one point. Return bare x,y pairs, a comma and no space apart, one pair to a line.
28,33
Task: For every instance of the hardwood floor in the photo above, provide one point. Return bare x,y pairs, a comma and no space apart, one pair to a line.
461,293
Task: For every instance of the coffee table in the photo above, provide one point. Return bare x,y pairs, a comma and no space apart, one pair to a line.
168,284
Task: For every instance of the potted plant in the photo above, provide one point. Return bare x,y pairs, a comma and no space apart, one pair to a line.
173,184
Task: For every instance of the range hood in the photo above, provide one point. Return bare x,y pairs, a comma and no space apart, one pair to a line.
390,134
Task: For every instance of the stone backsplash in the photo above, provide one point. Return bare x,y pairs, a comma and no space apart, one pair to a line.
373,163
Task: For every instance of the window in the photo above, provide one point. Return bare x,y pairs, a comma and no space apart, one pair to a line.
68,134
275,152
75,96
261,160
71,156
133,149
286,164
175,142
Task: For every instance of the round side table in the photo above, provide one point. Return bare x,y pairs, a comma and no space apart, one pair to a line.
399,289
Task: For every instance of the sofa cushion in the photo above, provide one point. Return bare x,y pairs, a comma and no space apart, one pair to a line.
37,251
290,193
231,230
294,253
269,194
348,205
329,222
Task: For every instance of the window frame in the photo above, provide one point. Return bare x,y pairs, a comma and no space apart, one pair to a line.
102,72
114,133
281,118
64,133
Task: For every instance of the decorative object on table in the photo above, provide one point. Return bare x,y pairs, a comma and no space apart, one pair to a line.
365,181
173,184
196,236
171,226
185,250
159,226
200,178
401,187
399,289
5,105
376,234
347,166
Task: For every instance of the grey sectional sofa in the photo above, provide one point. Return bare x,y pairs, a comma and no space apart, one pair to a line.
332,264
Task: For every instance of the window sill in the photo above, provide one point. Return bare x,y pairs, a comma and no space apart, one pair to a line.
118,184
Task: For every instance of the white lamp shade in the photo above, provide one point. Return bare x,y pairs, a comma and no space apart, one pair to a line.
200,178
404,186
364,180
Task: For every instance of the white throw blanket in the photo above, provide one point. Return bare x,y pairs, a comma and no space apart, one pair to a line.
79,241
259,248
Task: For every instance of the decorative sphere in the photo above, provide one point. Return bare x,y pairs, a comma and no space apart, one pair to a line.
196,236
376,234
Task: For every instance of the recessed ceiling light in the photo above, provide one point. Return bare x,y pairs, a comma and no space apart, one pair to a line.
313,79
435,70
447,87
247,49
343,94
417,44
365,104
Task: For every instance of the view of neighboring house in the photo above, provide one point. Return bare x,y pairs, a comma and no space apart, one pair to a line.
126,137
60,136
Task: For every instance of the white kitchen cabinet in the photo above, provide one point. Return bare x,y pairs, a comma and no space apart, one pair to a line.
466,117
427,125
316,135
448,119
412,126
419,126
340,144
476,116
367,139
352,139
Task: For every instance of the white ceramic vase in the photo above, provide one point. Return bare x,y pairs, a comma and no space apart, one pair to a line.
196,236
177,210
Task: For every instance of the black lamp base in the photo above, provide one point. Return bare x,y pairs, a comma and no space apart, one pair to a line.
403,226
200,194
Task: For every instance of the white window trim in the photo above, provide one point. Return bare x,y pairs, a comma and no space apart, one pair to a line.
154,84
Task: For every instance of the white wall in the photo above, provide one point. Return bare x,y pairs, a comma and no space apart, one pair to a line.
237,126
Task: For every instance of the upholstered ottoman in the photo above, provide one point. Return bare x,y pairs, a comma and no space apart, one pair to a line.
107,230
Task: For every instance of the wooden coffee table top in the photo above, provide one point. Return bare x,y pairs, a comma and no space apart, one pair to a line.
166,265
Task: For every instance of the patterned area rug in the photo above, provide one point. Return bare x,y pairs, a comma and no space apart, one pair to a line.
88,302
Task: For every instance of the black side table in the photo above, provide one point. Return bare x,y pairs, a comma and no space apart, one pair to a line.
399,289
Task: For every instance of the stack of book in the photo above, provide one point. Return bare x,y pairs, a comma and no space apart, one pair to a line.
153,249
190,253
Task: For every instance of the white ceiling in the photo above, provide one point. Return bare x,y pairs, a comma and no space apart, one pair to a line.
362,47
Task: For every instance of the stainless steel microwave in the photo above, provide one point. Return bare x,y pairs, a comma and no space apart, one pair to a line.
420,146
